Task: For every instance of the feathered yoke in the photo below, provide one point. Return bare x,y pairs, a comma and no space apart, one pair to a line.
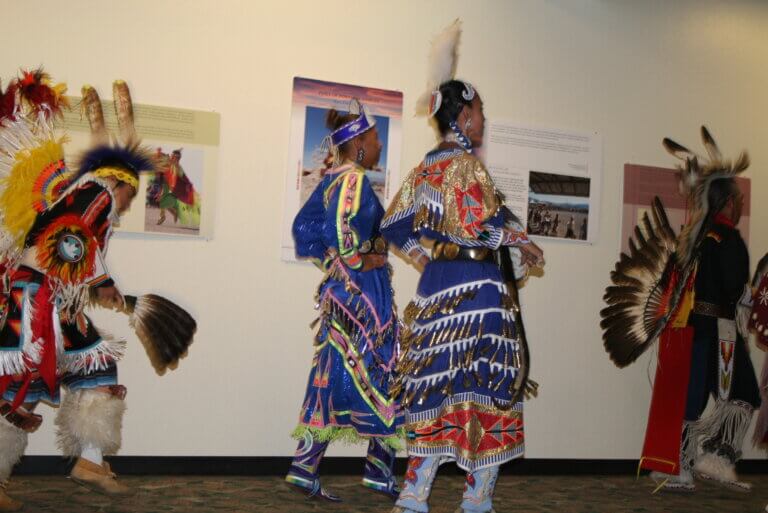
649,284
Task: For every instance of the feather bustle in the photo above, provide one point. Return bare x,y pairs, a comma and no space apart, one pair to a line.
631,319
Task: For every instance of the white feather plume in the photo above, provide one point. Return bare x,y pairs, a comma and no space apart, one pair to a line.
441,66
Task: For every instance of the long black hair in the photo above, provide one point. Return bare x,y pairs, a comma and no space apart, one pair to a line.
453,102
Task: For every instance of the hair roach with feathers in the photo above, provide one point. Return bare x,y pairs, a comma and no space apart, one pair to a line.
697,174
125,151
649,282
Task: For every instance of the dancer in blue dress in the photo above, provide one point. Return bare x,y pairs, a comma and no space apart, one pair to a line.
348,395
463,364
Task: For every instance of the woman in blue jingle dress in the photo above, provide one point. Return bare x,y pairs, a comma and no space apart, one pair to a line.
348,394
461,347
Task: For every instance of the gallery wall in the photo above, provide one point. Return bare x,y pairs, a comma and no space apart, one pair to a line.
632,71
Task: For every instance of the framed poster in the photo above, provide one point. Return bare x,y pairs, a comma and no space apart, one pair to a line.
643,183
308,157
550,178
176,200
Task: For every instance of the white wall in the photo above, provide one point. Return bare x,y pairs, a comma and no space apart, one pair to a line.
633,71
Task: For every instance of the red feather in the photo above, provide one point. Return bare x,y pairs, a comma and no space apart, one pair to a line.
34,89
28,79
8,102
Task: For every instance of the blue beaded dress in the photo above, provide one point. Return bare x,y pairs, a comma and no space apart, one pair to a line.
460,345
348,393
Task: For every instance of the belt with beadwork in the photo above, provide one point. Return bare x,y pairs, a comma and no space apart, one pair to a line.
712,310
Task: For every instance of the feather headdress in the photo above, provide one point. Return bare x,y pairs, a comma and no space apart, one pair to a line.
29,150
124,157
360,124
649,283
441,67
696,176
39,96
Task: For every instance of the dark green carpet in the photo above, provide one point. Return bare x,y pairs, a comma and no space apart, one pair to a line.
527,494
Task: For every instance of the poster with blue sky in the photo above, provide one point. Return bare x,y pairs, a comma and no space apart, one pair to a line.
308,158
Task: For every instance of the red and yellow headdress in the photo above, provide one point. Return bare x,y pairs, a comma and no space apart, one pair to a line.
33,173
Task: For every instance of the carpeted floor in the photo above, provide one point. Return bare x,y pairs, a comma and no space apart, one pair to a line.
527,494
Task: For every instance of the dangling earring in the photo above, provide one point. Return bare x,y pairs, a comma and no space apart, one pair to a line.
360,155
467,125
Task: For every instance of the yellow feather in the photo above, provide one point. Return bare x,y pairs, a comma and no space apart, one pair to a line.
17,199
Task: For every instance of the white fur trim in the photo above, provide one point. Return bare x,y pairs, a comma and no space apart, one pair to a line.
89,417
716,467
13,442
729,419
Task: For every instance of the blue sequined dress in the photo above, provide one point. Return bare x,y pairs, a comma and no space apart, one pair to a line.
356,345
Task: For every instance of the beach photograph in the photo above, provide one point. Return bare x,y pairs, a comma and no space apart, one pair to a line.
558,206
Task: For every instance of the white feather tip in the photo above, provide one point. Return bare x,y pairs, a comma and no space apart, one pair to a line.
442,57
